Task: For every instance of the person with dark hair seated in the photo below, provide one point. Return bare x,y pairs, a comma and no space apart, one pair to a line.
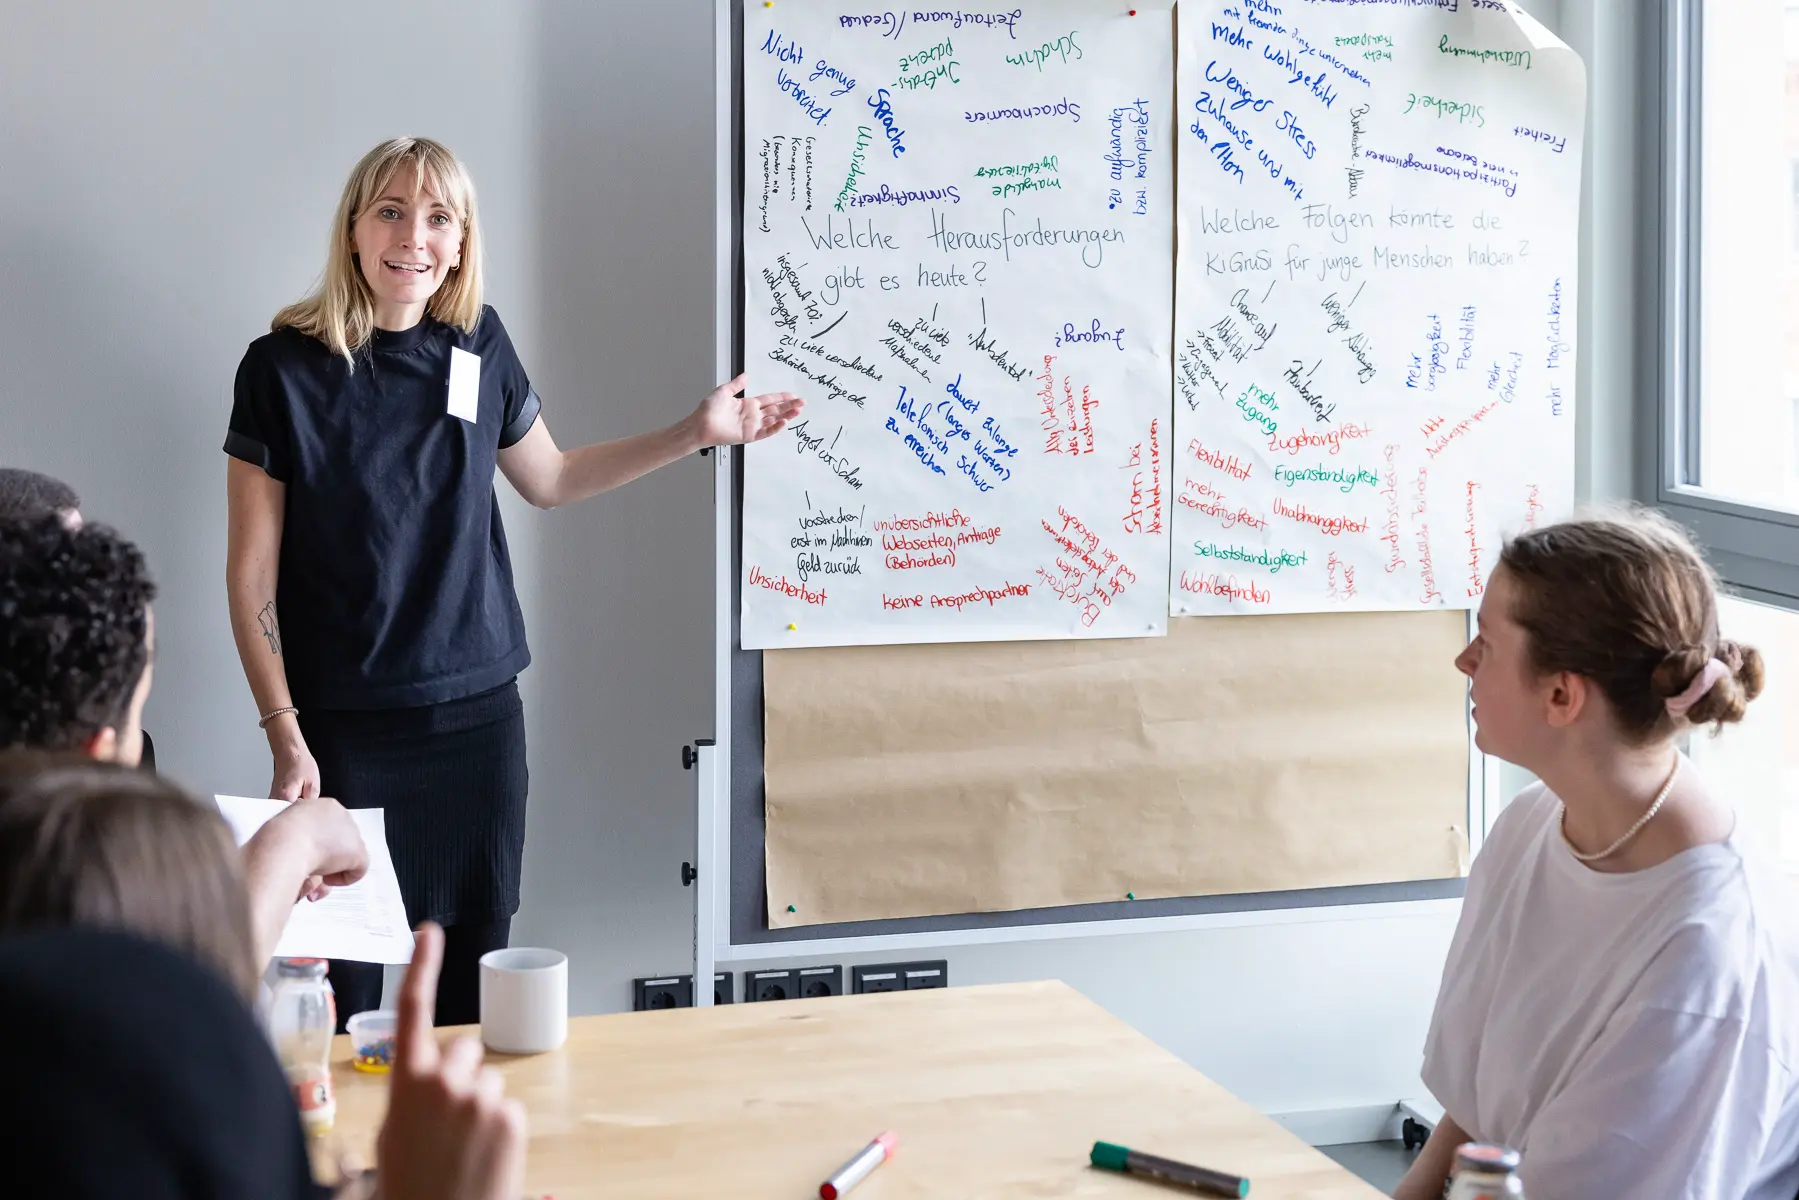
125,970
29,495
77,640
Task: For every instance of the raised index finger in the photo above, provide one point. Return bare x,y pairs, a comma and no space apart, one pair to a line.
415,1047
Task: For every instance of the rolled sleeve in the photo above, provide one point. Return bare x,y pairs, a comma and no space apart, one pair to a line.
257,427
242,445
521,424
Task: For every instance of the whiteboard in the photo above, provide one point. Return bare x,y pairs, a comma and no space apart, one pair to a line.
732,924
958,247
1379,205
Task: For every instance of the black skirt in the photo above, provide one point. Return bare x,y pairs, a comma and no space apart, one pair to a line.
452,780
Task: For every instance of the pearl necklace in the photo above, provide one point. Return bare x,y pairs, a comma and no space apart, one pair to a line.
1643,820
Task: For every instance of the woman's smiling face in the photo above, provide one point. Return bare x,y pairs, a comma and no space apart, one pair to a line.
407,241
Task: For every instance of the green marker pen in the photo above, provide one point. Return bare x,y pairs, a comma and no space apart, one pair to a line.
1108,1157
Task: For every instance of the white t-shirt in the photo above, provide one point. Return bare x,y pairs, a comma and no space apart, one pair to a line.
1632,1035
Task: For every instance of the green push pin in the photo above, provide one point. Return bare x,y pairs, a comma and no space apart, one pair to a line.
1130,895
791,908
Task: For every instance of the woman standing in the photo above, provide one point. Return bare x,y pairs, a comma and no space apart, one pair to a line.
370,589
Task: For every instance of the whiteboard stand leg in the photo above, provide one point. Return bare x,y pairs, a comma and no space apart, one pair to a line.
702,758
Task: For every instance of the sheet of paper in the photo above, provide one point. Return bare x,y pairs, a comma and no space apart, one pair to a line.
958,247
1375,313
364,922
1251,755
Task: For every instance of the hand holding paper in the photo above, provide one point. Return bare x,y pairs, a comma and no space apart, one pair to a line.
334,850
360,915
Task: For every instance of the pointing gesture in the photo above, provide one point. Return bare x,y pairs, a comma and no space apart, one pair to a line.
728,419
450,1133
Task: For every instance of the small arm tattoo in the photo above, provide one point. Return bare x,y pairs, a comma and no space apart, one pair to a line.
271,629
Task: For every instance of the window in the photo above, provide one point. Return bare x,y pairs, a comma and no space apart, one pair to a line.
1726,339
1728,336
1748,352
1756,764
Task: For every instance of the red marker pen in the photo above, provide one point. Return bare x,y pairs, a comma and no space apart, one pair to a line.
860,1167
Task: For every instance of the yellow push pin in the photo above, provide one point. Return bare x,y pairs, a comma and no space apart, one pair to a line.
792,626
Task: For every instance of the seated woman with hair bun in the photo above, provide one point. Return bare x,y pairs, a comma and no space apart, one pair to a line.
1621,1000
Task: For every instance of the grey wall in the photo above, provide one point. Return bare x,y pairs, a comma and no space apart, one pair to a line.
167,177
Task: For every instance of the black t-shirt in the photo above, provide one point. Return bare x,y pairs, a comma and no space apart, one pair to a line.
396,587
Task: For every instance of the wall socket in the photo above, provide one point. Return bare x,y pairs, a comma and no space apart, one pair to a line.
676,991
770,985
668,991
923,975
899,977
820,981
792,983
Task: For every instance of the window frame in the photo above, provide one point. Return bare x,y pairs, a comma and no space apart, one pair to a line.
1754,548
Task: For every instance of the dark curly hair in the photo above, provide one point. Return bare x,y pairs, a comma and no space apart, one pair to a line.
74,611
27,495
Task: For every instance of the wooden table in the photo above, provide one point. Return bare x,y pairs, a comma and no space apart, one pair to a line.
995,1092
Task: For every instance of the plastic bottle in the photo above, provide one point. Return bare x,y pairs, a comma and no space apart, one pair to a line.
302,1019
1485,1172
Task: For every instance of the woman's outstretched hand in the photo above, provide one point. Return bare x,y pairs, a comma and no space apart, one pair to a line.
728,419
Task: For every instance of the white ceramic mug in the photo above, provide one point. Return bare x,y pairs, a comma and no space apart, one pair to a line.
524,1000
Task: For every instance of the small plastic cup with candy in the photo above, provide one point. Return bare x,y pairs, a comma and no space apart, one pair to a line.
372,1040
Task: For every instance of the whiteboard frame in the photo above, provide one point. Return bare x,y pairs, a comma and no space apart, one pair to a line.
714,947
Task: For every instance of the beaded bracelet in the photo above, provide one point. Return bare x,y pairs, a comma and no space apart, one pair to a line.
267,717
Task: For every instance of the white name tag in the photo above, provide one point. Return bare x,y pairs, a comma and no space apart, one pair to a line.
465,384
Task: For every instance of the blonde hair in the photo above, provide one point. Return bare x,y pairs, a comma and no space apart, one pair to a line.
341,312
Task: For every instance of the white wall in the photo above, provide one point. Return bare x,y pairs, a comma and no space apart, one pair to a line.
169,173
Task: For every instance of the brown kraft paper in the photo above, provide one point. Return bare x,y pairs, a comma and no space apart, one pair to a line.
1238,754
